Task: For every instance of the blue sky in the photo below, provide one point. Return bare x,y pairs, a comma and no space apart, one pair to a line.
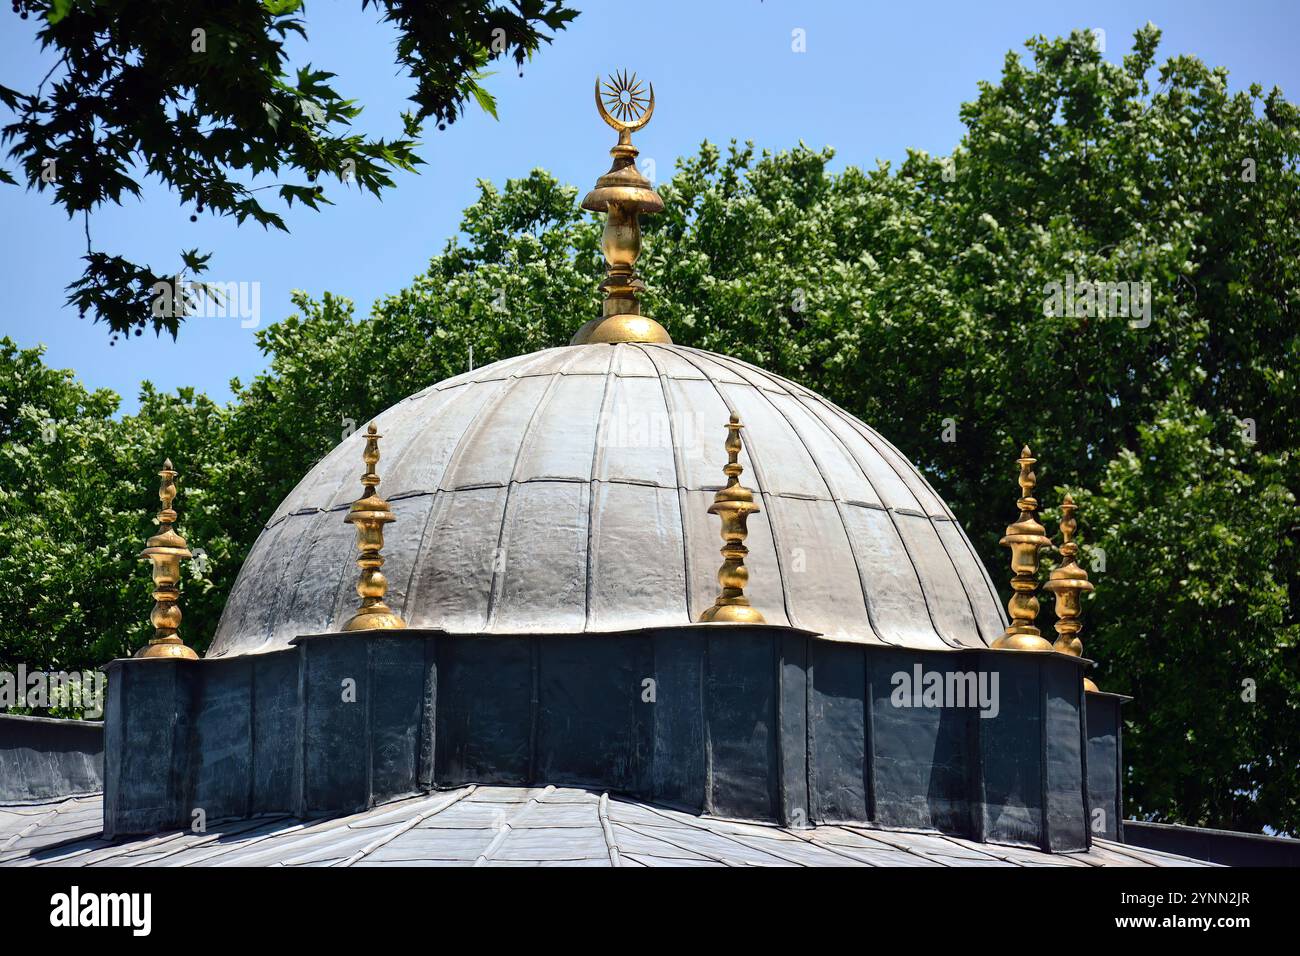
876,78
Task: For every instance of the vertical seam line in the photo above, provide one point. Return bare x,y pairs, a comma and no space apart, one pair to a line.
679,472
597,459
830,492
762,483
920,584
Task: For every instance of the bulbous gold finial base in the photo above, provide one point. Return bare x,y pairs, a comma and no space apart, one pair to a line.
1068,645
1088,685
732,614
1022,641
621,328
377,617
169,648
1069,582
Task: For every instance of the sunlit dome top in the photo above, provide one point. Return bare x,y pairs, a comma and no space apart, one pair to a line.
567,491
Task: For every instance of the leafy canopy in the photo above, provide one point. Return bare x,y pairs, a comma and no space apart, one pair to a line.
200,96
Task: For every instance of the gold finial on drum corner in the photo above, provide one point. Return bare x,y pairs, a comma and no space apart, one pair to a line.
369,514
1026,538
165,551
1069,582
733,503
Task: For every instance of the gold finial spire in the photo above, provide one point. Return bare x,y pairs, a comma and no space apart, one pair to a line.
1069,582
622,194
1025,538
734,504
165,550
370,513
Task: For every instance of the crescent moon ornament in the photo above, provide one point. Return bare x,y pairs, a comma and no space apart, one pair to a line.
624,103
623,194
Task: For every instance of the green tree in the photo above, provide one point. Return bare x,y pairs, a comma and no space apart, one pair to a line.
77,499
1193,618
200,96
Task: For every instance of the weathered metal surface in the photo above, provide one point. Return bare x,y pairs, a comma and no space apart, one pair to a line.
148,724
1225,847
1105,765
43,758
755,721
1013,765
837,734
921,763
223,727
568,490
500,826
222,737
1064,736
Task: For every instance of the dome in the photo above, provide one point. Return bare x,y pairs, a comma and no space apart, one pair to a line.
567,492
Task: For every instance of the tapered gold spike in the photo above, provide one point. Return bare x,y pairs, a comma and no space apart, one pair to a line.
1069,582
370,513
734,504
1025,538
165,550
623,194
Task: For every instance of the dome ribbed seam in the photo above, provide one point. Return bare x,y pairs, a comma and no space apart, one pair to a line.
679,472
759,480
951,642
821,472
408,610
596,459
525,437
911,558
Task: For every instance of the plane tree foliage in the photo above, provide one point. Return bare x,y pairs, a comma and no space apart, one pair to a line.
201,97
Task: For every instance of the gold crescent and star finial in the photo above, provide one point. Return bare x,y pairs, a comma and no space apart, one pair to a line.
622,194
627,98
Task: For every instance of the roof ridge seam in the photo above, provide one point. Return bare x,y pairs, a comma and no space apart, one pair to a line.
493,598
611,844
506,829
405,827
810,837
216,837
36,824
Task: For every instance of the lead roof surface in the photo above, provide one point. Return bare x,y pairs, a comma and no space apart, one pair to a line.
513,826
567,491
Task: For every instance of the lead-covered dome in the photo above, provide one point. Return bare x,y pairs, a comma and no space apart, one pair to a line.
567,491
